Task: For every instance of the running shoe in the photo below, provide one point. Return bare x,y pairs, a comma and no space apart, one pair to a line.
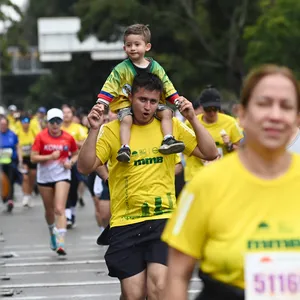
124,154
81,202
60,250
69,223
10,206
53,242
171,146
73,220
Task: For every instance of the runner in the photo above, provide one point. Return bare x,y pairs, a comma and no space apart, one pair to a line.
9,158
79,134
51,151
26,138
142,191
223,128
237,205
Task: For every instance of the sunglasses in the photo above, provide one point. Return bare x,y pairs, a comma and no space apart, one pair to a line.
58,121
211,108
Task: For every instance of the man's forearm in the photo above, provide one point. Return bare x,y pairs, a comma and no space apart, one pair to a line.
205,142
87,154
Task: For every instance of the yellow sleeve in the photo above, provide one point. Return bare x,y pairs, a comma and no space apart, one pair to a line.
170,92
112,86
82,134
187,228
236,133
177,158
103,146
185,134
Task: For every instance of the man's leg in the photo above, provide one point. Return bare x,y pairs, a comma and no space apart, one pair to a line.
156,280
156,257
134,287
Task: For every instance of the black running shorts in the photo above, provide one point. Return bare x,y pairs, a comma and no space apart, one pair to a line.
132,247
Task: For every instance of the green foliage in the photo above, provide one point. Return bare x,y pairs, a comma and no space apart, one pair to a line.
275,37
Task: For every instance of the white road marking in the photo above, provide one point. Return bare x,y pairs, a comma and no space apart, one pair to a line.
64,297
55,263
53,272
58,284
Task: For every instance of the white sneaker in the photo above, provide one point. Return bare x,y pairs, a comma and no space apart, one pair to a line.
26,201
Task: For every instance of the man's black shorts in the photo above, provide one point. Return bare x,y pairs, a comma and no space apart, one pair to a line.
132,247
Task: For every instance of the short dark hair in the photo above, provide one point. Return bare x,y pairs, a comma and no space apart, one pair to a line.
148,81
138,29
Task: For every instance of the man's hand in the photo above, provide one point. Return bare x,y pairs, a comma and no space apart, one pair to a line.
68,164
185,107
95,117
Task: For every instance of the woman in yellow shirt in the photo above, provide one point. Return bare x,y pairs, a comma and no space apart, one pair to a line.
26,137
246,204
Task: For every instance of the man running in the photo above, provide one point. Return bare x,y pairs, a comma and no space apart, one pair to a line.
142,191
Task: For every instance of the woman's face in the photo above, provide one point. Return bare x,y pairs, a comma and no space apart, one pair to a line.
271,114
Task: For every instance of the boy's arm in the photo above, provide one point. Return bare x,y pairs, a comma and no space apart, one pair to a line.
110,88
169,90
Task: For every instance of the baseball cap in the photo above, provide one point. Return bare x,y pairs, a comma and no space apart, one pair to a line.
210,97
25,120
42,110
12,107
54,113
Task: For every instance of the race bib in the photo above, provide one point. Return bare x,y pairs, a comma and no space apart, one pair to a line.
6,155
26,150
272,275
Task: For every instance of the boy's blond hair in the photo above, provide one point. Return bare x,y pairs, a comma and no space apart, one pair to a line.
138,29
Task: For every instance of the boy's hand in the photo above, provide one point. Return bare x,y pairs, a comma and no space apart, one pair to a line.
95,117
185,107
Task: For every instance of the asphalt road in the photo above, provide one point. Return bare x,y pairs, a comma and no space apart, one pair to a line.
29,270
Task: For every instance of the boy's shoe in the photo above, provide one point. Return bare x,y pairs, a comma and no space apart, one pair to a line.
124,154
10,206
60,250
171,146
53,242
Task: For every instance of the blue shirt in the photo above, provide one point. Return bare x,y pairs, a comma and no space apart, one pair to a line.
9,139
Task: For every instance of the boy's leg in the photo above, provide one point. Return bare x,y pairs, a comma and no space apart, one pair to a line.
125,118
169,144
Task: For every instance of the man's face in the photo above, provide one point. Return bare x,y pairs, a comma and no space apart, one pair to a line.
210,114
3,125
144,105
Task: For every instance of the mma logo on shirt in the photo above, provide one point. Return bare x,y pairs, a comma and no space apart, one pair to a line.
149,161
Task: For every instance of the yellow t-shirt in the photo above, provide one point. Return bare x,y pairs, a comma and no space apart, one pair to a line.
77,131
26,140
221,217
144,188
224,122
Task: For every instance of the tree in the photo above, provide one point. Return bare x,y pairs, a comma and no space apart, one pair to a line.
6,19
275,37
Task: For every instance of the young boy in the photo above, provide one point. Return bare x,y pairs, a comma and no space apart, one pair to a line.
117,87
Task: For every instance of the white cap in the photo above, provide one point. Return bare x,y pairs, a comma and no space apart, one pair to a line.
54,113
12,107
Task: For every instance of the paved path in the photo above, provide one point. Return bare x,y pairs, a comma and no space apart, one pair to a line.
29,270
